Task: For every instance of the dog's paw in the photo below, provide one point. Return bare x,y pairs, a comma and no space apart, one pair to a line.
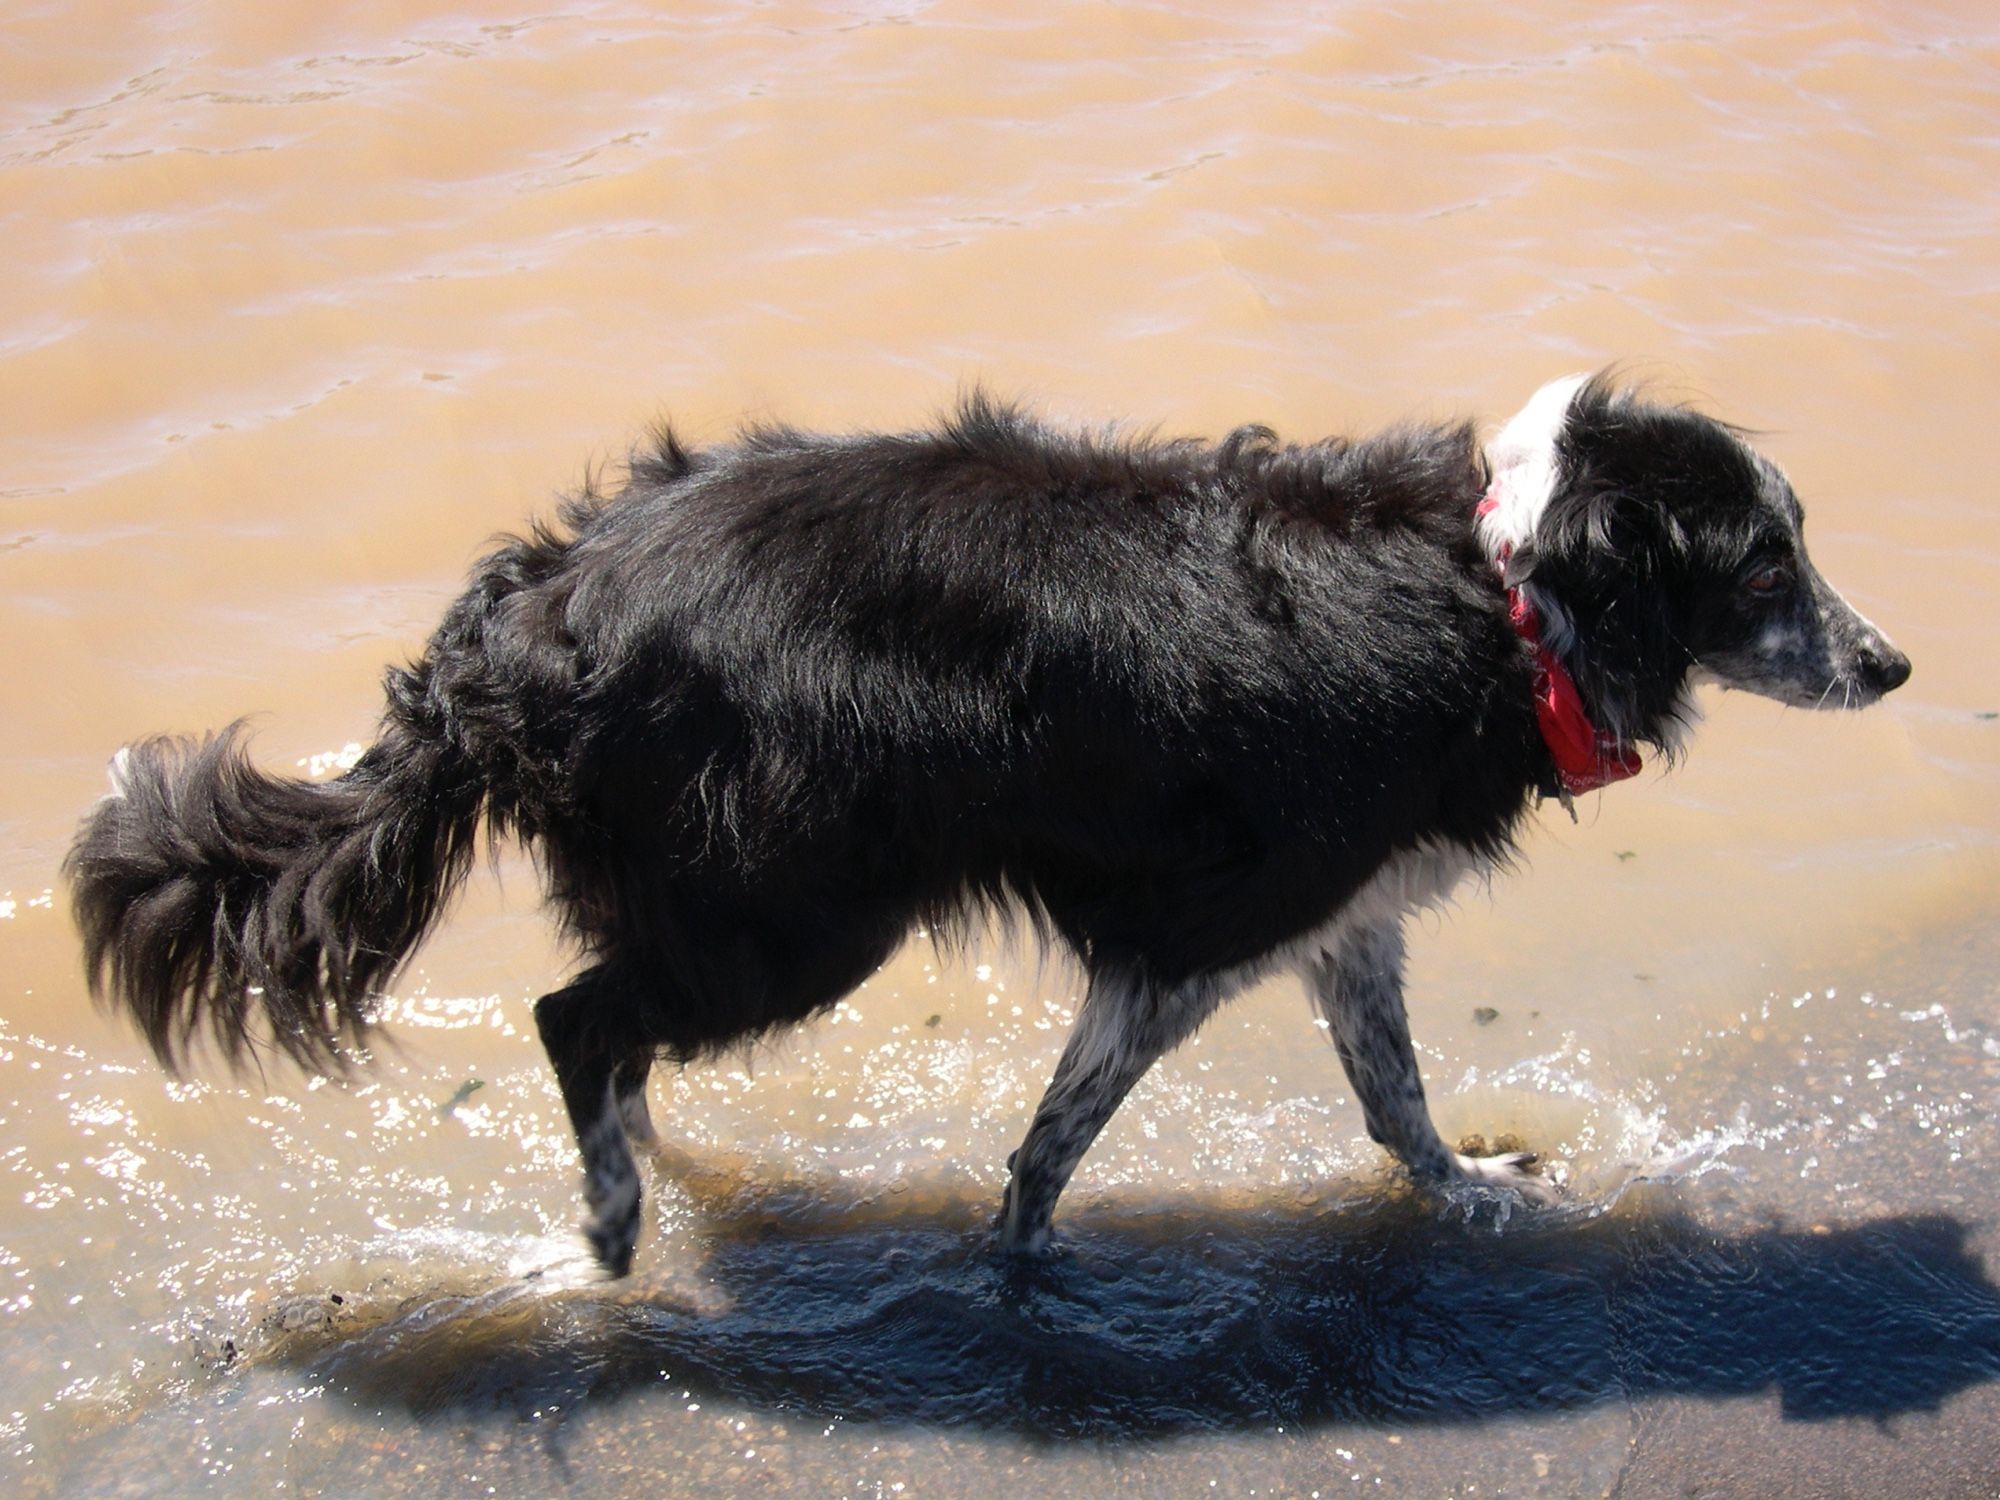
1023,1234
612,1243
1036,1245
1512,1170
1019,1240
612,1224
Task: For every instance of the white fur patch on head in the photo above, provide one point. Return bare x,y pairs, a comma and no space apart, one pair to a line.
120,772
1522,458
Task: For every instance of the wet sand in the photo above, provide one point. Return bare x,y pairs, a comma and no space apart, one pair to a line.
301,309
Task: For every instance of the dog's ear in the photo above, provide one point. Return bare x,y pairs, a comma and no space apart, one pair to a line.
1623,470
1605,555
1591,523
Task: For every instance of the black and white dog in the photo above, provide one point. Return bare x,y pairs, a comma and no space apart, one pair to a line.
1201,712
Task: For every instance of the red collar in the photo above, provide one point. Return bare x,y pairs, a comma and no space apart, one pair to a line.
1586,757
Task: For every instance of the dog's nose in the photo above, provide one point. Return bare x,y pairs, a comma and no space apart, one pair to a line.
1883,667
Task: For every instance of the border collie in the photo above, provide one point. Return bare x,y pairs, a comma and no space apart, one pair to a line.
1200,712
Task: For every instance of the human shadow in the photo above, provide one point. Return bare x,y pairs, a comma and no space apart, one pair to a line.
1149,1324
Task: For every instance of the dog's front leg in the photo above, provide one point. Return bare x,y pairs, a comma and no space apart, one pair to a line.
1358,988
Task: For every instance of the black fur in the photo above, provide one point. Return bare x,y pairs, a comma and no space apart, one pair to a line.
777,703
209,890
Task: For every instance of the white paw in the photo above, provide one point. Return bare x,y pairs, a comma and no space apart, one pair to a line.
1510,1170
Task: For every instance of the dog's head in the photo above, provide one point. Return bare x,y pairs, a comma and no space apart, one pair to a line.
1660,550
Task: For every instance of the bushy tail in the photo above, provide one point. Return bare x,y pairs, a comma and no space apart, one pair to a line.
210,894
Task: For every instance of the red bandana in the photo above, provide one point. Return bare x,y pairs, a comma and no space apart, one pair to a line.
1586,757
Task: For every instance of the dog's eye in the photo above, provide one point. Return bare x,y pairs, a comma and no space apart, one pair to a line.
1767,579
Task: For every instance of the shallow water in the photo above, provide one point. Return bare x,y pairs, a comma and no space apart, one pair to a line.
300,308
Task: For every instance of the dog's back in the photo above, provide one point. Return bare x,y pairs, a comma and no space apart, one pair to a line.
1177,700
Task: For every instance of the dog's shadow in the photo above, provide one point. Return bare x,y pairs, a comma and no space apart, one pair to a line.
1157,1323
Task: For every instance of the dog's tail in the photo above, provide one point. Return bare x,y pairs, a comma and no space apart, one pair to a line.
212,896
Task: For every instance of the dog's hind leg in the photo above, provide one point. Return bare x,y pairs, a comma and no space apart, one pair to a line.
586,1028
1125,1025
1358,988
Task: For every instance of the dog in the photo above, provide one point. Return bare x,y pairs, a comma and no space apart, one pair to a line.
1199,712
